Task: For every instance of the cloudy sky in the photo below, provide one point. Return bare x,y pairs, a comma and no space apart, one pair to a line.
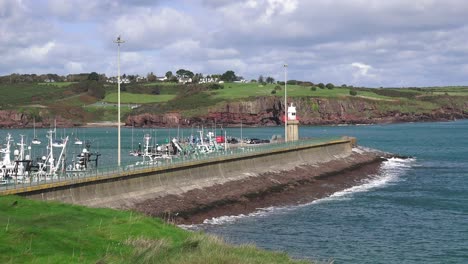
357,42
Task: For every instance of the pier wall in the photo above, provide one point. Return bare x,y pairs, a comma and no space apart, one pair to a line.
127,188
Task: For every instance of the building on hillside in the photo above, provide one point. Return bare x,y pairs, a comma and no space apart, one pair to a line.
184,80
114,80
161,79
141,79
208,80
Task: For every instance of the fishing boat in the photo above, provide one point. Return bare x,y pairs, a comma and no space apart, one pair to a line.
18,169
84,162
48,167
78,141
35,140
58,143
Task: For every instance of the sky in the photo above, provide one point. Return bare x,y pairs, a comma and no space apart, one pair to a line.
372,43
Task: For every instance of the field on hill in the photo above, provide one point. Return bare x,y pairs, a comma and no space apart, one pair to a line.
26,93
243,90
58,84
84,105
50,232
131,98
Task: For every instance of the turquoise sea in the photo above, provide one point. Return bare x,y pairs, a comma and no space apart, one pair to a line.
413,211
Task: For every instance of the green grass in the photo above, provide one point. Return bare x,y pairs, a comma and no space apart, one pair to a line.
107,113
234,91
57,84
26,93
50,232
130,98
161,84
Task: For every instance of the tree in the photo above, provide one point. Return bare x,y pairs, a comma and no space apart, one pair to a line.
229,76
270,79
93,76
93,88
151,77
182,73
321,86
156,90
260,79
352,92
216,76
132,78
330,86
197,77
168,75
215,86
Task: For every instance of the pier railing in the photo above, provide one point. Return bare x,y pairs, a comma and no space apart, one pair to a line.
132,168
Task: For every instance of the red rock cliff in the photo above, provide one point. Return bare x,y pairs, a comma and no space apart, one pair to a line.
268,111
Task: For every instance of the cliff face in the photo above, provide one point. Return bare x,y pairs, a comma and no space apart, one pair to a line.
268,111
15,119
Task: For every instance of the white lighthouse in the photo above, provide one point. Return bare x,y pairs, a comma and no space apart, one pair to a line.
293,124
291,112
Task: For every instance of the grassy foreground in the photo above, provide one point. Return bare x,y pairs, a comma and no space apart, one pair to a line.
50,232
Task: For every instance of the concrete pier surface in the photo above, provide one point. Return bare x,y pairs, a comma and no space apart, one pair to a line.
128,188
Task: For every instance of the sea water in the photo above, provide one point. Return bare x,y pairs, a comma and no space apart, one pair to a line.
414,211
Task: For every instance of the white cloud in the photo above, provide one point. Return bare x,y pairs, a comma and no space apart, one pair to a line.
276,7
363,69
363,42
37,52
151,29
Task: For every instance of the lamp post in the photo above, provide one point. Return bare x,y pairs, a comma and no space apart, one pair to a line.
285,103
118,41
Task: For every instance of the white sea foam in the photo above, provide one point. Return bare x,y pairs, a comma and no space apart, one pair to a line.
390,172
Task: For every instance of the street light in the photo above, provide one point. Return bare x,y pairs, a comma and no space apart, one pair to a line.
285,103
118,41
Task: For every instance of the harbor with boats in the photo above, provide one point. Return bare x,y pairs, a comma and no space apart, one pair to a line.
50,155
60,162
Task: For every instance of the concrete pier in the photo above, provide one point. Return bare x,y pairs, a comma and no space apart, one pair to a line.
128,187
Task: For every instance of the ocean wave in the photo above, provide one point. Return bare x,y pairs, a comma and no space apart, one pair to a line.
390,172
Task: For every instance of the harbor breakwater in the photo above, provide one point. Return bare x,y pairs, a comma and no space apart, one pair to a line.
127,187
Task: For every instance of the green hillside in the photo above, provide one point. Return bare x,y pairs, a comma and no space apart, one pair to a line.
50,232
97,102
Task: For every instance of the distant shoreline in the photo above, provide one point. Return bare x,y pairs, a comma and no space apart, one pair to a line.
102,124
110,124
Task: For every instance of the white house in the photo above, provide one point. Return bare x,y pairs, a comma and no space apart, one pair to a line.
208,80
140,79
184,80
